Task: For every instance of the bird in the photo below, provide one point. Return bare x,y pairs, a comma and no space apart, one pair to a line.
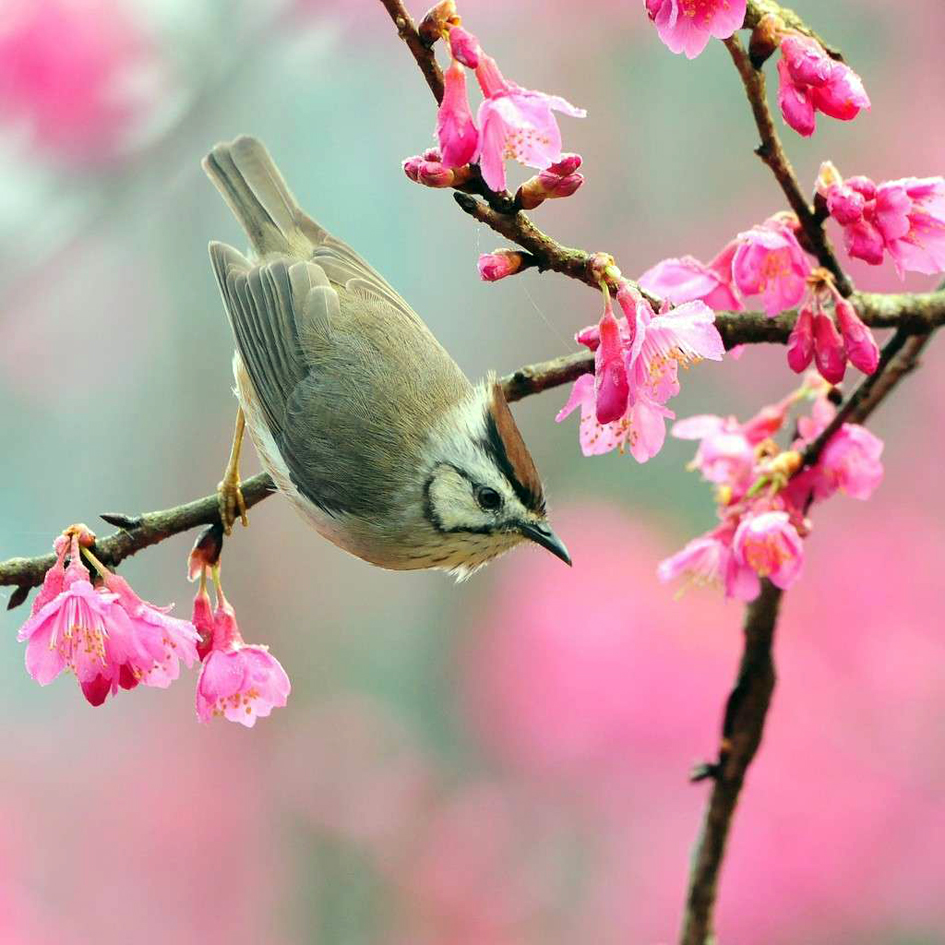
362,419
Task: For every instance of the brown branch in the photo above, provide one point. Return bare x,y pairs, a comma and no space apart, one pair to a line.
772,153
748,703
426,60
745,714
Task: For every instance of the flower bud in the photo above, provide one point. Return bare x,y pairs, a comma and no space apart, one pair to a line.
411,167
431,174
589,337
499,264
829,352
800,350
568,164
436,20
765,39
465,47
206,551
455,127
433,154
860,344
828,177
846,205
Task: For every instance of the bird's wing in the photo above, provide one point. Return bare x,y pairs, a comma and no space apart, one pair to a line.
348,375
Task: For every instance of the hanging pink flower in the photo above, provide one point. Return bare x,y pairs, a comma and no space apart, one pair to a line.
725,454
769,262
107,636
516,123
810,82
611,383
858,341
455,129
709,559
829,353
770,545
800,347
850,463
238,681
641,430
686,26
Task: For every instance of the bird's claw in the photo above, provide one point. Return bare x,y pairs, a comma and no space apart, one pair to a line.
231,503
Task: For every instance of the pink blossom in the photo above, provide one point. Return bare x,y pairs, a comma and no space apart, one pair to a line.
810,81
725,455
238,681
455,128
829,353
910,215
769,262
709,559
108,636
686,279
858,341
465,47
770,545
498,265
850,463
660,343
686,26
611,383
641,430
800,350
516,123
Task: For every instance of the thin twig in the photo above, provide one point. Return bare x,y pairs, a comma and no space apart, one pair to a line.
772,153
423,53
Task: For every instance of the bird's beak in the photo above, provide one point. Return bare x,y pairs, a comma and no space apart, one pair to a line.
541,534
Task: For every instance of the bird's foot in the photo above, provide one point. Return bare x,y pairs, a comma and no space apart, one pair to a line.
231,502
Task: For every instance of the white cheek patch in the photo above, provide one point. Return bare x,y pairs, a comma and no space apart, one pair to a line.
453,504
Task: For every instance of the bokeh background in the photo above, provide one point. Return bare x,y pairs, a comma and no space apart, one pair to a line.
501,762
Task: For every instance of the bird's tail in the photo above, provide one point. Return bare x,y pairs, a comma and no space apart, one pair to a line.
256,192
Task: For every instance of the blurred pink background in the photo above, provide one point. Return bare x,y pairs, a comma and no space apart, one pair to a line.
502,762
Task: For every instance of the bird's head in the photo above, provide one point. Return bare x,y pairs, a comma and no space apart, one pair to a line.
483,495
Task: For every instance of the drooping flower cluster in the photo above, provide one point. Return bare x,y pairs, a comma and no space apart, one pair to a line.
107,635
905,218
238,681
763,493
511,122
811,82
815,336
637,359
686,26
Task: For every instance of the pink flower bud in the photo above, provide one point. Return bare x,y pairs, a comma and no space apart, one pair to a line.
465,47
568,164
864,241
498,265
829,353
806,60
800,350
863,185
556,186
860,344
431,174
589,337
411,167
612,386
455,128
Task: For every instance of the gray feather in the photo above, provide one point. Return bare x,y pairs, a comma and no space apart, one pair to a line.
349,378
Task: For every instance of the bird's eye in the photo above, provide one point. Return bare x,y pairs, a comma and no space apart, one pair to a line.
489,500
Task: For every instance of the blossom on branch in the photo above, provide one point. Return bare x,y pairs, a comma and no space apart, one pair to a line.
238,681
769,262
686,279
763,493
904,217
810,82
686,26
637,358
107,635
455,129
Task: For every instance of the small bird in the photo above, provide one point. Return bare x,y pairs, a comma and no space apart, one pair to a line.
358,414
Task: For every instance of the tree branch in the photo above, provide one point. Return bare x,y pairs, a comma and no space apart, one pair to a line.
426,60
747,706
742,728
772,153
